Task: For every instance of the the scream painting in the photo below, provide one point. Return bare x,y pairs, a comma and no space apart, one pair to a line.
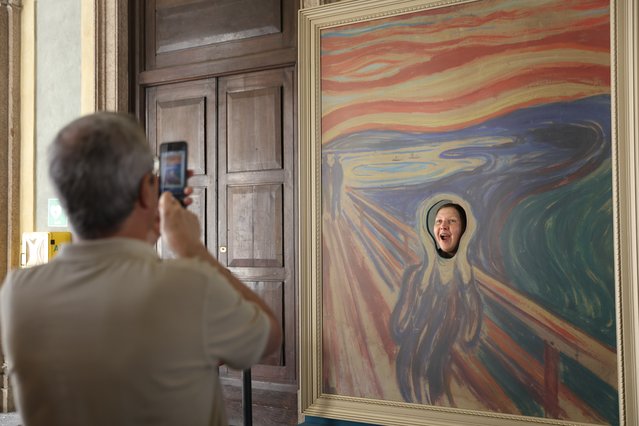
503,107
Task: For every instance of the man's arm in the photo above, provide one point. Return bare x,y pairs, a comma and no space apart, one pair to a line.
180,228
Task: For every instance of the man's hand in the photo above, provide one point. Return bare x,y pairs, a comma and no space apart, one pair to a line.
179,227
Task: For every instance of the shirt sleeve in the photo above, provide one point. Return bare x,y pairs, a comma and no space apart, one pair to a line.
235,330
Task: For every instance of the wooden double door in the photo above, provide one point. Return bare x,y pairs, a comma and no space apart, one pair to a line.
240,134
220,74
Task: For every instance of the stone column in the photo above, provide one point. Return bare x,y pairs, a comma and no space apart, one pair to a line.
9,154
112,60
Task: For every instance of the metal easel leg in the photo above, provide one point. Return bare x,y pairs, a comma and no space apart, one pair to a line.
247,398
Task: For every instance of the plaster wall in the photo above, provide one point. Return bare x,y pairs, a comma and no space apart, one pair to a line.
57,87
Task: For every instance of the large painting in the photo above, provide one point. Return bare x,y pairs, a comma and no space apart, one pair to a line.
504,109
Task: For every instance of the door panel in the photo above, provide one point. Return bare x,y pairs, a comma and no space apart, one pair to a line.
198,31
187,111
255,129
208,22
273,294
184,119
255,215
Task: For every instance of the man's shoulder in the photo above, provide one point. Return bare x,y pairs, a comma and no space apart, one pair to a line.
20,274
26,282
195,267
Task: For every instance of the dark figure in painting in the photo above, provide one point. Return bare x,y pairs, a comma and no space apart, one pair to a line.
337,175
332,179
439,305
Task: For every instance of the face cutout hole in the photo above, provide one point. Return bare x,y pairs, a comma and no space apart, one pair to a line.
446,226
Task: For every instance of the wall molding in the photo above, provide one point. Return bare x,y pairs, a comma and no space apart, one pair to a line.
10,31
111,19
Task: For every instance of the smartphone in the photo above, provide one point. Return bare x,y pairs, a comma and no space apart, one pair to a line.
173,167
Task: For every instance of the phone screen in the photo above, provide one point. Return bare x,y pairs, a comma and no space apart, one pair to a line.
173,157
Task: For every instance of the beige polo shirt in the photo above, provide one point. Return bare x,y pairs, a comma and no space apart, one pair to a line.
109,334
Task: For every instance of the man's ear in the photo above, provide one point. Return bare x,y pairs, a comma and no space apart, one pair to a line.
148,191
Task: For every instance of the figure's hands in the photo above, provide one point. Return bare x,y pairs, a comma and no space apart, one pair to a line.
179,227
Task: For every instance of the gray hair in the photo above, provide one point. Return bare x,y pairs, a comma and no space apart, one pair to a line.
96,164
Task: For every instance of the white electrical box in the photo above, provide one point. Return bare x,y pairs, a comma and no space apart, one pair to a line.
40,247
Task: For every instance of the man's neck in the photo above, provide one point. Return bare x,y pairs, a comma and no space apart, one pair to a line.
135,227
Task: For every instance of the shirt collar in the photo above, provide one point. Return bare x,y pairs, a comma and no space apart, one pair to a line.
107,247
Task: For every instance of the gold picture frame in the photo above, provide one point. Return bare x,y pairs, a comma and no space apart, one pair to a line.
624,108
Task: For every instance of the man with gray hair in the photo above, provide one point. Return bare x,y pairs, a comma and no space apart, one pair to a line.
108,333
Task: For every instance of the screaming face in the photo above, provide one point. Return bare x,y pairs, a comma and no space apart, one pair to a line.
448,229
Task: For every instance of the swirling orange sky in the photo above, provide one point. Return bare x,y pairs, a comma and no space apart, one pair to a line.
451,67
